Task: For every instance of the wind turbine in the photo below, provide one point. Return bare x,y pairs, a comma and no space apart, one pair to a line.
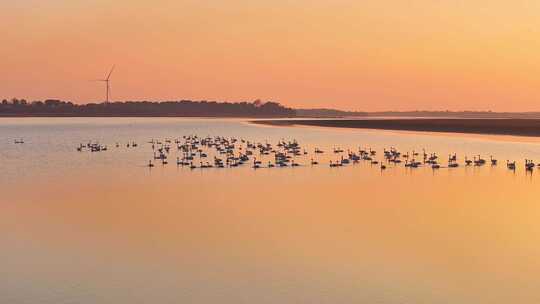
106,80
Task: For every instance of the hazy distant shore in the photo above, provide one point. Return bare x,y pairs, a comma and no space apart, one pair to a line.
516,127
187,108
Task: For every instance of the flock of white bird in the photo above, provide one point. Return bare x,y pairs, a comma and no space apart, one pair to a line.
194,152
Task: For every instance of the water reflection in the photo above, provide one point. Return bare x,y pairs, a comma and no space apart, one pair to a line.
103,228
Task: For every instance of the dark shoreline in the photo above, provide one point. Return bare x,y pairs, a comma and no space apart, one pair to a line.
48,115
514,127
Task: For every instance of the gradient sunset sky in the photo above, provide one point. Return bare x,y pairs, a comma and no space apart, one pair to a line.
357,55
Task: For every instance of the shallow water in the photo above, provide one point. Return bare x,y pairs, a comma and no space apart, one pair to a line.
82,227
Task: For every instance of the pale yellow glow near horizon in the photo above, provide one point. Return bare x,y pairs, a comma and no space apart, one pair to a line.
357,55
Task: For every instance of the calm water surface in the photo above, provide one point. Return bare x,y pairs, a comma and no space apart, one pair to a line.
81,227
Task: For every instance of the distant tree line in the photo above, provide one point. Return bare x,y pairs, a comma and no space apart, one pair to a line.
183,108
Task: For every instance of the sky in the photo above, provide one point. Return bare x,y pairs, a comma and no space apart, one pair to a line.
351,55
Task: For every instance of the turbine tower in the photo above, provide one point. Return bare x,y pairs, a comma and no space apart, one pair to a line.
108,88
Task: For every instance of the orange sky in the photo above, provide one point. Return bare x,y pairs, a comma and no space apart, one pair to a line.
361,55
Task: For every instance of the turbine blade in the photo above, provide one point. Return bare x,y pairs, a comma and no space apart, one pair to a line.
112,69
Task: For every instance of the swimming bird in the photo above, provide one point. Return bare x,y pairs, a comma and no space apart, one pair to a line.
511,165
256,165
479,161
529,165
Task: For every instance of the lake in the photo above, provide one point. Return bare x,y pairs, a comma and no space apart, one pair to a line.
102,227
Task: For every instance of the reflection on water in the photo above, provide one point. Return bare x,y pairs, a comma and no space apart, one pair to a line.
102,228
